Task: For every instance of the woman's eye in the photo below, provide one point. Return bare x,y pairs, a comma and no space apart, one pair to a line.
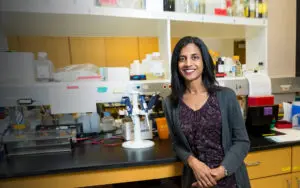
181,59
195,57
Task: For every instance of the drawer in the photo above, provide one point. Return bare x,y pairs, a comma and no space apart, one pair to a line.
296,158
279,181
268,163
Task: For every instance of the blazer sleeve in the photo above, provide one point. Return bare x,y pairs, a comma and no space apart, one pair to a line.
178,145
240,140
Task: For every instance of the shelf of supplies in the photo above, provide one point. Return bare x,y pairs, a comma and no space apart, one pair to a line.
74,17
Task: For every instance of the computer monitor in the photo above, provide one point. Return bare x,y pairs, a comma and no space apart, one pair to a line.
259,118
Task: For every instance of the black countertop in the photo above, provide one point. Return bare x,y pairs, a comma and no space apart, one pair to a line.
96,157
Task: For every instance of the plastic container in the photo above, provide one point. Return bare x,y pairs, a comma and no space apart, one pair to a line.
45,140
156,69
261,101
108,123
162,128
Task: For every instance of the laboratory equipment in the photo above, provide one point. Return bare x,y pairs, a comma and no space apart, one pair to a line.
259,118
134,112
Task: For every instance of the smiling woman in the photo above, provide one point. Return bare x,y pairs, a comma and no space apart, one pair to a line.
205,121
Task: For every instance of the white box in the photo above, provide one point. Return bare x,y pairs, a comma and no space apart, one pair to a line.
154,5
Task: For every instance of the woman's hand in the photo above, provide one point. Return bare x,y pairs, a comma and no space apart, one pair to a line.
202,172
218,173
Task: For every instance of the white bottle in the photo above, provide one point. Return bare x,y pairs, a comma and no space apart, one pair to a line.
135,68
43,67
156,68
145,64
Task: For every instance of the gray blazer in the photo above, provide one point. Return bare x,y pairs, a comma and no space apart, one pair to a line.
235,139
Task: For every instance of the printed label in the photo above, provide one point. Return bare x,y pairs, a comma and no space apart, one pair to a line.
268,111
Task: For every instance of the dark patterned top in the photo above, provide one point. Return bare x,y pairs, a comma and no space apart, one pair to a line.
203,130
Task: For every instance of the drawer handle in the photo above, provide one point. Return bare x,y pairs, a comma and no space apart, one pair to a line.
288,183
298,182
253,164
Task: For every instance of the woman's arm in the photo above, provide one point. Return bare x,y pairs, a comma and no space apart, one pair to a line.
240,140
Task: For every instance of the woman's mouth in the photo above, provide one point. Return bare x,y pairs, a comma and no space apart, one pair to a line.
189,71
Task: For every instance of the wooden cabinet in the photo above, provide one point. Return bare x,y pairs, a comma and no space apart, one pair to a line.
56,47
268,163
296,158
281,181
147,45
88,50
121,51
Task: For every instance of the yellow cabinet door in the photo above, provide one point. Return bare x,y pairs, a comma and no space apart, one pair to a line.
281,181
174,41
296,158
121,51
88,50
56,47
268,163
296,180
147,45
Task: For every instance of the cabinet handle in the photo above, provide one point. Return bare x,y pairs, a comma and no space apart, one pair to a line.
298,182
288,183
253,164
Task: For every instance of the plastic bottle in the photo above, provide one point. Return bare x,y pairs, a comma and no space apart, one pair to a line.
202,6
228,66
229,7
239,71
108,122
156,69
195,6
187,6
145,64
135,68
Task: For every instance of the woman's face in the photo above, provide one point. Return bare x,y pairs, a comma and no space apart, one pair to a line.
190,63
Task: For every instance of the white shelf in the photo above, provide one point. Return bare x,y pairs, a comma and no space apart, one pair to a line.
83,17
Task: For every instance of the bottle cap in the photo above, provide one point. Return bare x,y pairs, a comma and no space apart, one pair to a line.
237,58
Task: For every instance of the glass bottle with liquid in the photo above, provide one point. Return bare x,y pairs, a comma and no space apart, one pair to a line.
238,70
252,8
246,8
169,5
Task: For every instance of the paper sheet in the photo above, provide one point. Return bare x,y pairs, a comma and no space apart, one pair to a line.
291,135
259,84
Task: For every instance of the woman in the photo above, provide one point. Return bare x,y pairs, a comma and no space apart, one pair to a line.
205,121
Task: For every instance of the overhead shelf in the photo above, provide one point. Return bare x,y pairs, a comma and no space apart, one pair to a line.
78,17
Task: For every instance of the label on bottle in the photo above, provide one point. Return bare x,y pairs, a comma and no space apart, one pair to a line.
260,8
221,68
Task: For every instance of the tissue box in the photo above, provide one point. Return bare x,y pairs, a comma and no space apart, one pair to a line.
154,5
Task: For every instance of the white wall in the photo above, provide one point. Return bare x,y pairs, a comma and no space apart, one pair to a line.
3,42
224,46
282,38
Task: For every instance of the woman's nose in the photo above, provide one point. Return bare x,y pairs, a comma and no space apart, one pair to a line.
188,62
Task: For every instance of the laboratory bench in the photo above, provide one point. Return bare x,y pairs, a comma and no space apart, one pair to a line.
90,165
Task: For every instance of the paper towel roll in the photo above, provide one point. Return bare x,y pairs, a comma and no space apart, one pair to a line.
259,84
